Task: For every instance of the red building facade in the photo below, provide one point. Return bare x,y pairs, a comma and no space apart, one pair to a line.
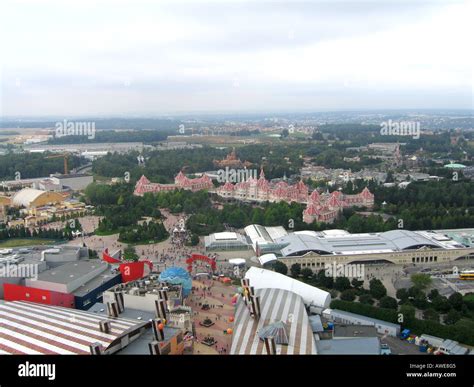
13,292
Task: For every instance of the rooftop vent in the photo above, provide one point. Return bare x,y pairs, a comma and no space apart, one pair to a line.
277,330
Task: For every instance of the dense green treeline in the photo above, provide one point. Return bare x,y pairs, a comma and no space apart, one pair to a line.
160,166
144,233
429,205
163,166
121,210
22,232
33,165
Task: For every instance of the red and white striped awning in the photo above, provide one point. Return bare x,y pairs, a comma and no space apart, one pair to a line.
30,328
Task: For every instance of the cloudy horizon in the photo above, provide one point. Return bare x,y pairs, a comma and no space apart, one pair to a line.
137,57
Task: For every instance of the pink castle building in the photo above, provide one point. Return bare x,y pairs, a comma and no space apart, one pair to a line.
181,181
319,207
262,190
327,207
324,207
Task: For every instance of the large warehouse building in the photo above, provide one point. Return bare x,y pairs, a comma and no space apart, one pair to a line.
61,276
85,280
76,182
314,250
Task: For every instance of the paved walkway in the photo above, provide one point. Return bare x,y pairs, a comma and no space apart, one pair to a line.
173,252
218,296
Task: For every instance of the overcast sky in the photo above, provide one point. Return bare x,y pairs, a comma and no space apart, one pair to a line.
103,57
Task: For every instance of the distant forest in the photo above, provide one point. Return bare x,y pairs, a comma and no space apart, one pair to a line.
33,165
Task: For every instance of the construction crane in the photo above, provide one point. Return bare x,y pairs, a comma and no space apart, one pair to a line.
65,156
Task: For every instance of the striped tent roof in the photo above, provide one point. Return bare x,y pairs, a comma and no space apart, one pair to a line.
276,305
30,328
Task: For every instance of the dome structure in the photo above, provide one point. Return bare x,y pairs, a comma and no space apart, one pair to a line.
177,276
29,197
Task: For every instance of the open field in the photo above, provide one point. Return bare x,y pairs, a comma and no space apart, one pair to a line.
227,141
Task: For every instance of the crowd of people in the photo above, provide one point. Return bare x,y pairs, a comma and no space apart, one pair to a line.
208,297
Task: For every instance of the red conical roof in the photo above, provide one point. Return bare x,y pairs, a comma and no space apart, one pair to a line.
314,197
143,180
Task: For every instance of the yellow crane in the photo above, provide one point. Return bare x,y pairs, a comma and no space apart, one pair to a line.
63,155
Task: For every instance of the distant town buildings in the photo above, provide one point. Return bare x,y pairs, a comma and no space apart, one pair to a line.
333,176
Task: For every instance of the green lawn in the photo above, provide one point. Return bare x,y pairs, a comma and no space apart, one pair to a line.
25,242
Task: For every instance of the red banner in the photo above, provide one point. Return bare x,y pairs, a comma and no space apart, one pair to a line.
130,271
109,259
199,257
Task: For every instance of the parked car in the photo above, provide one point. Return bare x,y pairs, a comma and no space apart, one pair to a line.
385,349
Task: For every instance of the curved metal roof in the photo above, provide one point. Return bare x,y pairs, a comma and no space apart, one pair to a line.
28,195
326,243
405,239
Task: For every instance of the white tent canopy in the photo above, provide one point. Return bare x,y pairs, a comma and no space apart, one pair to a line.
266,258
262,278
237,261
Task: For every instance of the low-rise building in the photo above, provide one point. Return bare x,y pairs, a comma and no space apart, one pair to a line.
349,346
226,241
150,300
143,294
75,182
81,281
343,317
263,238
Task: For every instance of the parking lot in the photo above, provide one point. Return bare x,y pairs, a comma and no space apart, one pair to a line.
401,347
